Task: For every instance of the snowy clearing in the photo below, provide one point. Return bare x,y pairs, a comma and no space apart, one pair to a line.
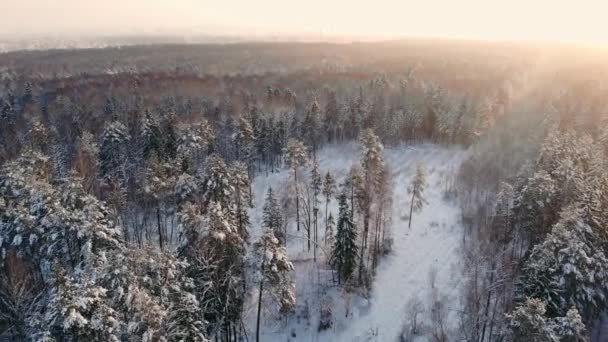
430,248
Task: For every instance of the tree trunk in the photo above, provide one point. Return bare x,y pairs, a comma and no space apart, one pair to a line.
160,230
314,258
325,237
411,211
487,307
363,243
308,223
257,327
295,176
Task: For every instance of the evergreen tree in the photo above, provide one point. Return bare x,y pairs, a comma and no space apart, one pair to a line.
113,152
242,199
151,136
344,257
311,127
372,163
79,310
529,323
194,142
272,219
275,268
297,157
316,185
567,269
329,188
332,116
416,188
330,237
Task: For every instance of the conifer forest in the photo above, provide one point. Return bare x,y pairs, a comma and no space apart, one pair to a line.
409,190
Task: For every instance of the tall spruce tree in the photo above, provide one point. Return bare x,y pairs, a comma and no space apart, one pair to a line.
416,189
329,188
272,218
344,257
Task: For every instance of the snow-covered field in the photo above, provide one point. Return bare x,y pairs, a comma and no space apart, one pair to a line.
430,247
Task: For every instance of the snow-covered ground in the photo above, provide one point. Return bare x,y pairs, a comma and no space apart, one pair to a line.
430,247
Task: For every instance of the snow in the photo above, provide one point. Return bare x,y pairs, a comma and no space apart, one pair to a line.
432,245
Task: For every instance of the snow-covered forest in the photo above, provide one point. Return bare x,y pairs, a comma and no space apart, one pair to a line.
404,191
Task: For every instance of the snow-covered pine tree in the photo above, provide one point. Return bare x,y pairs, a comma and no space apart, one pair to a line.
244,140
530,323
79,310
85,164
344,257
503,212
37,135
568,269
242,199
186,187
113,152
332,116
372,163
216,253
193,143
275,269
311,128
151,136
416,189
297,157
218,185
316,183
245,148
159,188
168,128
330,235
329,189
48,222
101,289
272,218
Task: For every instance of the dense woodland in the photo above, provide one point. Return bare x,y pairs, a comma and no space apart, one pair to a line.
125,183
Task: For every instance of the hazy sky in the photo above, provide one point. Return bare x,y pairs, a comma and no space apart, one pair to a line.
572,20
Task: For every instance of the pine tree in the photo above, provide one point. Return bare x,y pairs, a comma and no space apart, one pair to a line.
568,269
159,187
530,323
218,184
194,142
311,127
37,135
330,238
332,115
85,163
329,188
316,185
244,139
416,188
344,257
297,156
112,152
275,268
79,310
186,187
272,219
242,199
372,163
216,254
168,128
151,136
